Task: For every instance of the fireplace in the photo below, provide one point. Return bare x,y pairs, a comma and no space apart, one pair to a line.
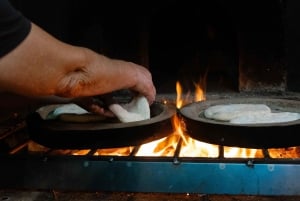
229,48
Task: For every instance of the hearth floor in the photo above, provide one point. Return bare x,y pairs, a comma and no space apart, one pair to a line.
26,195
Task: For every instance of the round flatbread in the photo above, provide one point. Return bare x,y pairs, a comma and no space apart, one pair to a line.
279,117
232,111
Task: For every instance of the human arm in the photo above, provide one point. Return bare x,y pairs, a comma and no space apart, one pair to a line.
43,66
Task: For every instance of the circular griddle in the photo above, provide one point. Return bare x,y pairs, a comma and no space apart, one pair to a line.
269,135
65,135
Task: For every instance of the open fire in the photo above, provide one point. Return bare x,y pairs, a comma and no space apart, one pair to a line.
242,52
173,164
189,147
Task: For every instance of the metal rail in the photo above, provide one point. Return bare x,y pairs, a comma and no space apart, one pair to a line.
20,169
146,174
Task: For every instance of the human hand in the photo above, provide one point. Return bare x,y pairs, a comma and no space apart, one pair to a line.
94,105
105,75
144,84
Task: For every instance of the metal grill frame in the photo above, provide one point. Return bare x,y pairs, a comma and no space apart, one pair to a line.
151,174
260,176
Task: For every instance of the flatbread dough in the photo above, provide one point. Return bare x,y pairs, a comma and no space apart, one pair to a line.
55,110
279,117
138,109
248,114
231,111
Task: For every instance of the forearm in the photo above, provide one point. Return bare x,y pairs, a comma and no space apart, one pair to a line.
42,65
37,64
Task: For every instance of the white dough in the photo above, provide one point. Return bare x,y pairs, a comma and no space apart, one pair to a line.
55,110
248,114
231,111
279,117
138,109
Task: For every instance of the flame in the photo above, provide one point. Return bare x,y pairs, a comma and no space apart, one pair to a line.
289,152
162,147
200,149
199,91
179,99
166,146
81,152
189,147
123,151
232,152
195,148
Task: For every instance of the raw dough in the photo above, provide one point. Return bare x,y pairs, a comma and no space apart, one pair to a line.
69,113
138,109
248,114
231,111
55,110
279,117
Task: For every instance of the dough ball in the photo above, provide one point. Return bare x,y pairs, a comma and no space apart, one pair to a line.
137,110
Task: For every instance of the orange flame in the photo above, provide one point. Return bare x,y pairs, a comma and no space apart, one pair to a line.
179,99
193,148
189,147
199,92
232,152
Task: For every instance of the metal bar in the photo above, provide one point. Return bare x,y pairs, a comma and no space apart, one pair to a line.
79,173
178,148
135,150
221,151
12,129
266,153
19,148
92,152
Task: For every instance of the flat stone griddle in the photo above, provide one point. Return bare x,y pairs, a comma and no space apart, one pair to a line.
66,135
269,135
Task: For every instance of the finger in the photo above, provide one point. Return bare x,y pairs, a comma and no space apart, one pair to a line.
100,110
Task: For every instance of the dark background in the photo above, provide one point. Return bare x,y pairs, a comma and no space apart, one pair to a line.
240,45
